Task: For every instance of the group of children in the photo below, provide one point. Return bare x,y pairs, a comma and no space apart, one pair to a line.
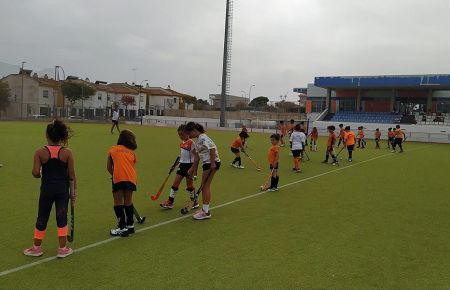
54,165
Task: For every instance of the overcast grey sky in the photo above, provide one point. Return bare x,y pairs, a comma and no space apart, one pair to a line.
277,44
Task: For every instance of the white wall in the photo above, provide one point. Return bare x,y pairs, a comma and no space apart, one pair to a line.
164,102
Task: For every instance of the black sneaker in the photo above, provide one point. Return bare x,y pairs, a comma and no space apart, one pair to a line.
130,229
119,232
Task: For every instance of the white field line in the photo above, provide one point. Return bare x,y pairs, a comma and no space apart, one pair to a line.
99,243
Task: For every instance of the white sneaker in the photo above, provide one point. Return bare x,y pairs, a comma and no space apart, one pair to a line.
241,167
234,165
119,232
201,215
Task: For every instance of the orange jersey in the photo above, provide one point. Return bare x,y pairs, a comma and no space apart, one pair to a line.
237,143
273,153
350,138
399,134
391,134
315,135
377,135
361,134
331,140
124,161
283,130
342,133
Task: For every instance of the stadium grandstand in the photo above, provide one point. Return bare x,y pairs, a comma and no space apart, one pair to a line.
406,99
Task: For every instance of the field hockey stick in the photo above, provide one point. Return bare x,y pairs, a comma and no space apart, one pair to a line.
72,222
138,217
342,149
307,156
190,203
253,161
174,165
265,186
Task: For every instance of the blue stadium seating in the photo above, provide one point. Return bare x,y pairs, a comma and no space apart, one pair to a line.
364,117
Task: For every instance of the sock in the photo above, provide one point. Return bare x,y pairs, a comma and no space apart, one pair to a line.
120,214
239,161
173,193
350,153
296,163
129,211
272,182
334,158
205,208
327,157
191,192
276,181
235,160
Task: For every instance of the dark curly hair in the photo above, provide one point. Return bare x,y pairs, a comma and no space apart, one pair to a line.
58,132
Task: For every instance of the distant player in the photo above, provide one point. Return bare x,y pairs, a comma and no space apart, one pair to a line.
349,141
305,131
361,140
283,132
291,126
398,139
391,135
237,147
377,136
205,150
330,145
121,165
115,120
273,157
298,140
54,164
314,137
341,135
185,163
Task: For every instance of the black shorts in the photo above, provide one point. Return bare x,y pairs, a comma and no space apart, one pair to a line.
235,150
115,122
207,166
276,166
398,141
391,139
123,185
296,153
350,147
183,169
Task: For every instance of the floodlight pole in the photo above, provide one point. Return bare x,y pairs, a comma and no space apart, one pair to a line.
226,63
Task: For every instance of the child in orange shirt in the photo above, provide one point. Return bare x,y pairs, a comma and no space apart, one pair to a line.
330,145
121,165
283,132
341,134
361,140
273,158
238,146
314,136
377,138
398,139
349,141
391,135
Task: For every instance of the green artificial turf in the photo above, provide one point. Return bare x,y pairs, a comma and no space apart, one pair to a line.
383,222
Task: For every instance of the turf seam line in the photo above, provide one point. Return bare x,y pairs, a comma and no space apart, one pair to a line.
99,243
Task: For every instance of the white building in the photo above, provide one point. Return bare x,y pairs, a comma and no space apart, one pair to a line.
43,96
